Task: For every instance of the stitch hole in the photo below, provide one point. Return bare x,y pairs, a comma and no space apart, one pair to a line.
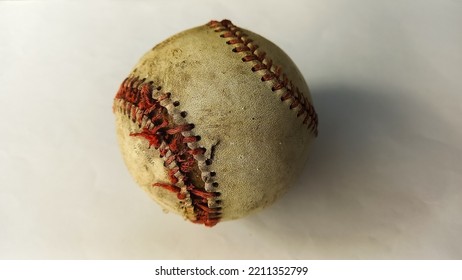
176,103
167,95
183,114
158,88
215,184
157,122
213,174
208,162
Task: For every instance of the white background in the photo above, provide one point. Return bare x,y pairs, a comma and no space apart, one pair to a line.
383,179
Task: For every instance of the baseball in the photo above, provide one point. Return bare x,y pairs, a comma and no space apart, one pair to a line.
215,122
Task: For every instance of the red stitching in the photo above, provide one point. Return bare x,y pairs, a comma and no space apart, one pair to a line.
166,136
235,36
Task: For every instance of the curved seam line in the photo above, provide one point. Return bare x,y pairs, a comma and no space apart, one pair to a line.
140,117
243,44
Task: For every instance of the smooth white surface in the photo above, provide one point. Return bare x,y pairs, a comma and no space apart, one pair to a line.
384,179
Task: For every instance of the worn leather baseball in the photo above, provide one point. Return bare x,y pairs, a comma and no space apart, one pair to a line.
215,122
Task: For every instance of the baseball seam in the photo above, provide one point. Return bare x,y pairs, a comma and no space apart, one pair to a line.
269,72
136,99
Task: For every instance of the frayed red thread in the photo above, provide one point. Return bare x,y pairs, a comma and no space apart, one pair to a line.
168,187
168,139
153,138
